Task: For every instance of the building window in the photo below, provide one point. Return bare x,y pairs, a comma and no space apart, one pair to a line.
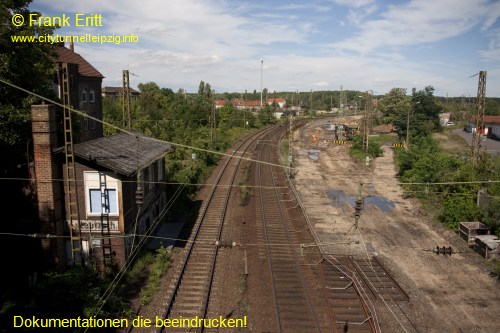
95,201
92,124
92,96
85,123
84,95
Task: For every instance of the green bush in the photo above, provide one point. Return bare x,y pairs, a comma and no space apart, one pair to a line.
159,267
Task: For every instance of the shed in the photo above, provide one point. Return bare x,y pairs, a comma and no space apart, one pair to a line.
488,246
469,231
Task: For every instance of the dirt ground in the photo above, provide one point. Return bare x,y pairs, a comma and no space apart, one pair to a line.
447,293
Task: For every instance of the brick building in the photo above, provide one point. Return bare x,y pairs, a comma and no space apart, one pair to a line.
121,160
108,171
85,86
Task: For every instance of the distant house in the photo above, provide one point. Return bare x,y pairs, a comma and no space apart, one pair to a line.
240,104
278,101
444,118
85,85
117,92
491,126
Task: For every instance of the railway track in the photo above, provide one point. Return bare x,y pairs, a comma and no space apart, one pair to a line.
296,305
311,291
190,290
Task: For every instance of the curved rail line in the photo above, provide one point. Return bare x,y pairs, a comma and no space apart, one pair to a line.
189,294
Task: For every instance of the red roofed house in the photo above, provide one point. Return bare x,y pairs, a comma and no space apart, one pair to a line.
240,104
491,126
280,102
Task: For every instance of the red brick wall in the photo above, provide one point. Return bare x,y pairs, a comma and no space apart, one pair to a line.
49,187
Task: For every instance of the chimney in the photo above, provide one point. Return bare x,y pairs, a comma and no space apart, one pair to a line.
50,192
72,46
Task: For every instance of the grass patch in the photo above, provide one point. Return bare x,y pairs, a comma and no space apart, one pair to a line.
159,267
246,193
358,152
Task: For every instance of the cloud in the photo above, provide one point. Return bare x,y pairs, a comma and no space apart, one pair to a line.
353,3
222,41
357,16
417,22
493,51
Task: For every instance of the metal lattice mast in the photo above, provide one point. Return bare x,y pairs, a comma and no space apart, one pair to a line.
126,100
479,121
72,208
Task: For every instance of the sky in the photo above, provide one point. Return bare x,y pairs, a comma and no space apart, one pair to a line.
303,45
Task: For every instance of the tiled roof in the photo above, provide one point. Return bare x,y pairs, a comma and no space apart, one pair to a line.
84,68
489,119
239,102
117,90
120,152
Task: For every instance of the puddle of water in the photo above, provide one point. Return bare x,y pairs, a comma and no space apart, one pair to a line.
339,197
312,151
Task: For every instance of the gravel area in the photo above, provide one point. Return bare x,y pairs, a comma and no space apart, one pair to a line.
454,294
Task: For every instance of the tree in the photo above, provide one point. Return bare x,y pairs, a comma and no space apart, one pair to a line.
27,65
394,105
201,88
425,112
492,107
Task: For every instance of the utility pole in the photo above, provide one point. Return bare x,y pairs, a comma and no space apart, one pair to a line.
245,110
126,100
366,130
479,121
311,106
261,75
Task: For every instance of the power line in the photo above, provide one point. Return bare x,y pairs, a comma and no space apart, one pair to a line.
337,176
83,114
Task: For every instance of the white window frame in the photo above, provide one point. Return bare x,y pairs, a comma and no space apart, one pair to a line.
89,207
91,179
92,96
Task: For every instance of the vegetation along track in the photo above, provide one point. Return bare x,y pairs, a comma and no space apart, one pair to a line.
190,291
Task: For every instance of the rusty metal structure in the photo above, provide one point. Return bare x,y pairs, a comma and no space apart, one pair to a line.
72,209
126,100
479,119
